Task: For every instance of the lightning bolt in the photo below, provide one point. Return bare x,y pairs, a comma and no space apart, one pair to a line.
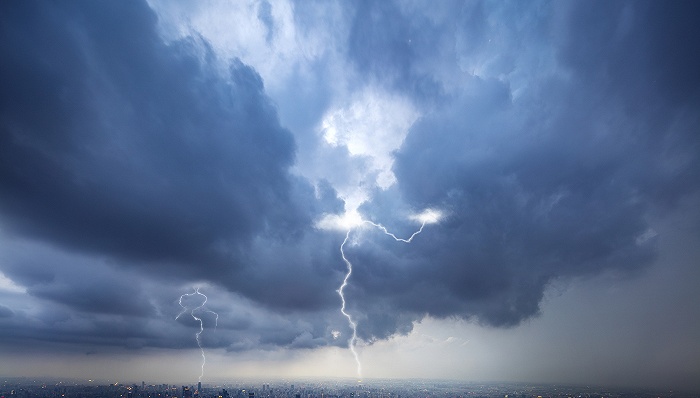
429,216
353,325
380,226
198,319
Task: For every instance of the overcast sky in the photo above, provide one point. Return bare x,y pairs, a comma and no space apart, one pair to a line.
148,149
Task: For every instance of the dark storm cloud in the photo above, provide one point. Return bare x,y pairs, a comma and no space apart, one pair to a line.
58,325
641,58
554,182
114,142
124,154
86,284
96,294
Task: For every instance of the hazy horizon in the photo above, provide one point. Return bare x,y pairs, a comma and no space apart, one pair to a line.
302,383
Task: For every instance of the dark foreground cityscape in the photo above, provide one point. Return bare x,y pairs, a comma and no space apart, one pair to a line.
308,388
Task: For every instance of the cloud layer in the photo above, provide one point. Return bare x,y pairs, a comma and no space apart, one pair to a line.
133,167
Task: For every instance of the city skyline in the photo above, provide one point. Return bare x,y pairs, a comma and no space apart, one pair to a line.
475,191
318,388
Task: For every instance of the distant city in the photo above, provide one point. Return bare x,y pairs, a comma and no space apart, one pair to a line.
323,388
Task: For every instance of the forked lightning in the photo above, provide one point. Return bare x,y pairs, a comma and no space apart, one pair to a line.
427,217
198,319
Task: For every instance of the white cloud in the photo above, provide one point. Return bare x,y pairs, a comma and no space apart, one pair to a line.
428,216
343,222
373,125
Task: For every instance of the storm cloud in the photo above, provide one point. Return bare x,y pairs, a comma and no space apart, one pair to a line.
133,167
554,180
119,146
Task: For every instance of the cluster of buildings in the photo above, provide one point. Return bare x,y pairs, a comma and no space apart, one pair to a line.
24,388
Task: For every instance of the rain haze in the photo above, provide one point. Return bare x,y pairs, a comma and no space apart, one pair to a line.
515,187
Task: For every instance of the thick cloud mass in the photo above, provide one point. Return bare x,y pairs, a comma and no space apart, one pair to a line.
132,168
116,143
550,181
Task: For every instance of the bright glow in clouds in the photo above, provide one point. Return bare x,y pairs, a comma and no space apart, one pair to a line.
427,216
198,319
333,222
372,126
353,219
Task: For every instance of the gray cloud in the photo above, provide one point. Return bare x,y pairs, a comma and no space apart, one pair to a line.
115,143
142,156
138,170
5,312
556,180
130,147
